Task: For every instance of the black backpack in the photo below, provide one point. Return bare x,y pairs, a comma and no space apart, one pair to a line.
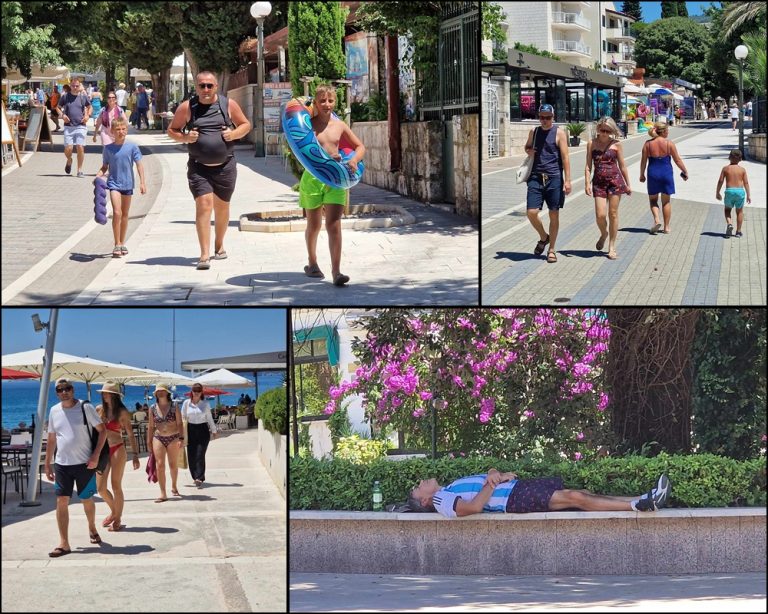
194,104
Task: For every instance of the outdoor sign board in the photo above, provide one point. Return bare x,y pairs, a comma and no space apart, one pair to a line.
8,138
37,128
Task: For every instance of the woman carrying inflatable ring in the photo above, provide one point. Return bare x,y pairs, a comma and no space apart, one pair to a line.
332,156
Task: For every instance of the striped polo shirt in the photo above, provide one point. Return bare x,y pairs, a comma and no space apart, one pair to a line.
467,488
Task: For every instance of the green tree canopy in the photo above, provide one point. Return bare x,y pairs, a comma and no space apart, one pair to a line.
633,9
670,47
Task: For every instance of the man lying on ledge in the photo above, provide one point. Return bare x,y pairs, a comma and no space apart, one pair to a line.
503,492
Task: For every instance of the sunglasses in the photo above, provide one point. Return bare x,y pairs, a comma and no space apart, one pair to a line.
111,98
64,389
198,390
605,131
206,86
546,117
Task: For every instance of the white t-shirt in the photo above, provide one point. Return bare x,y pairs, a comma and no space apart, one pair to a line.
199,413
73,437
122,97
734,113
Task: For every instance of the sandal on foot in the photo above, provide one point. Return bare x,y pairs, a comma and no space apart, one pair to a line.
57,552
204,265
540,245
612,256
222,255
655,228
124,249
175,493
95,538
313,271
551,257
107,521
161,499
601,243
116,526
117,253
340,279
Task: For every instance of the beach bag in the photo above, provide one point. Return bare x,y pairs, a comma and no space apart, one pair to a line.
183,464
151,468
524,170
104,455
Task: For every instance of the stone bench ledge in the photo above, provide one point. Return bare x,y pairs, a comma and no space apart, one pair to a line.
675,513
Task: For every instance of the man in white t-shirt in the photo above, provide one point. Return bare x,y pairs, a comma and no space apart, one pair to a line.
69,439
122,97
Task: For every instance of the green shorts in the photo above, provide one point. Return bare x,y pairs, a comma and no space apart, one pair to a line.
313,193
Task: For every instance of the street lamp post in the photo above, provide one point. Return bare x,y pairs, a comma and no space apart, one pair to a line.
260,10
741,52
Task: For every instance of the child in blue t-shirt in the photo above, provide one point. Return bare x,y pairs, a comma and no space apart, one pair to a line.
118,159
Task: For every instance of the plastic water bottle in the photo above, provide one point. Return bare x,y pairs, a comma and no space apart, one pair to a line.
377,497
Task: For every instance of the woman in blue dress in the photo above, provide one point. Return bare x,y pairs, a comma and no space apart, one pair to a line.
658,154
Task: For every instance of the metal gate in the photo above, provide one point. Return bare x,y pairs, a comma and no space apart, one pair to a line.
492,112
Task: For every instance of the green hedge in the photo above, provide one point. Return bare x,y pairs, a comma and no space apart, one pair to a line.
272,409
701,480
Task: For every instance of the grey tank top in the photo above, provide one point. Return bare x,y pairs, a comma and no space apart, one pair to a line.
547,158
210,148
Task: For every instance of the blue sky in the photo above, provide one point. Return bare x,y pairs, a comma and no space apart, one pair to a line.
652,10
144,337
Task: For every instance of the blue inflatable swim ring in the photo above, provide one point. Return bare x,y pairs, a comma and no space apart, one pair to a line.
297,125
100,200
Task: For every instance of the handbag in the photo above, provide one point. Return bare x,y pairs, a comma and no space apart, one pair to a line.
104,455
524,170
183,458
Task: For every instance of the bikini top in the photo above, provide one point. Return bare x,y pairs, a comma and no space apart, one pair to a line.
169,417
113,425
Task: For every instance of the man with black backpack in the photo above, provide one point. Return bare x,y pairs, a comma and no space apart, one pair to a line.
209,124
69,439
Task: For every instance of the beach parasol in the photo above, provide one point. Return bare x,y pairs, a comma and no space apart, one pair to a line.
13,374
210,392
224,379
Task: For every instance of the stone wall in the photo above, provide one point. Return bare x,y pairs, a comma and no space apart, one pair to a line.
422,157
756,147
466,164
670,541
244,96
273,454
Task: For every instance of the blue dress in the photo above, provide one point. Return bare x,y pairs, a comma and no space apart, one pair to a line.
661,179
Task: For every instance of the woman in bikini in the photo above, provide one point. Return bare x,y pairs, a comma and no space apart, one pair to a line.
610,181
116,417
165,437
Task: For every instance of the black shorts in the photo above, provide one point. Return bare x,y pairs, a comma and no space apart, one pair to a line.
533,495
219,179
67,475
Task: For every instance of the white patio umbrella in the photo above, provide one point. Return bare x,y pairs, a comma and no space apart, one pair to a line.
222,378
156,377
75,368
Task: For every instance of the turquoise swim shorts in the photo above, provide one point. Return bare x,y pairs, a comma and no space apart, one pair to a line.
735,197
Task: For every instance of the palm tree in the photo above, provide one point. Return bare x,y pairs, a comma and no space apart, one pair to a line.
755,64
737,14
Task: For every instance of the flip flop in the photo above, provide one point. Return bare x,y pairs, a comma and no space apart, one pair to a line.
107,521
161,499
204,265
175,493
340,279
612,256
313,271
57,552
601,243
655,228
540,245
116,526
117,253
222,255
551,257
95,538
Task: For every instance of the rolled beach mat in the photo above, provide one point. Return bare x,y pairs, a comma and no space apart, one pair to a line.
100,201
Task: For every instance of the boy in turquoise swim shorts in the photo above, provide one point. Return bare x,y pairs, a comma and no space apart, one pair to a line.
736,192
315,197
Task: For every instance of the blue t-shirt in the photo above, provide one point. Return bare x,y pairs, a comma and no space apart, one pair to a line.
74,107
120,159
142,100
467,488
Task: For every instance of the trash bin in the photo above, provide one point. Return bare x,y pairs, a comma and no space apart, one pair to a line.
623,127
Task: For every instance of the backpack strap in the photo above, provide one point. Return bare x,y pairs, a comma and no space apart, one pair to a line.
194,103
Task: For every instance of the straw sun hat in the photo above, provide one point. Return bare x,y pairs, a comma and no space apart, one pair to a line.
164,387
111,387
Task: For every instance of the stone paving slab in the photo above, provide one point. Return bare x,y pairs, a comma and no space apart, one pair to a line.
219,549
693,265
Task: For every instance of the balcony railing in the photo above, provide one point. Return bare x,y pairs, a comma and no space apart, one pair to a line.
572,46
618,33
573,18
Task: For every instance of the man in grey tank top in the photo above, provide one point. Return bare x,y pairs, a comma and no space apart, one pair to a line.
550,151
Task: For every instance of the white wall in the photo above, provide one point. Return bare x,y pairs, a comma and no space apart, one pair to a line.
347,366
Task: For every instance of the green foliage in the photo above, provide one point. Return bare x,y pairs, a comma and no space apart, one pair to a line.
703,480
719,56
358,450
729,391
576,129
536,51
316,34
754,69
272,407
491,19
24,41
668,46
633,9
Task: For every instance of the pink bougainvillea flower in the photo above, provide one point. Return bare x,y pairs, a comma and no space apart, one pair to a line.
577,456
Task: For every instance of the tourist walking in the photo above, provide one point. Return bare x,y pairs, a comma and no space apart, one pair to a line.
96,102
69,441
200,426
548,145
142,106
610,181
103,125
657,155
209,124
117,163
54,103
116,418
165,438
736,192
734,116
74,110
122,97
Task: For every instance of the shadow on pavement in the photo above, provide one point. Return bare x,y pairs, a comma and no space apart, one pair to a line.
720,235
517,256
76,257
581,253
166,261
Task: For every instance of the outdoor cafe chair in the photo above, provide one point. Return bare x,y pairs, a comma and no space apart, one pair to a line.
12,471
21,438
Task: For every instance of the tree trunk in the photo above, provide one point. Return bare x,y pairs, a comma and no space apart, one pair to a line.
393,102
649,374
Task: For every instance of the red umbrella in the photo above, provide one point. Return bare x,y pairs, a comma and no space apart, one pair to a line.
14,374
209,392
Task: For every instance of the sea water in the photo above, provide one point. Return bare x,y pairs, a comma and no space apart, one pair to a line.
20,397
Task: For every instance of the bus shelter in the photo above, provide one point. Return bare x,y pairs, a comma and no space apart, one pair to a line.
576,93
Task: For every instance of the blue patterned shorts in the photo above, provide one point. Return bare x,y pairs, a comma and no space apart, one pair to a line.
532,495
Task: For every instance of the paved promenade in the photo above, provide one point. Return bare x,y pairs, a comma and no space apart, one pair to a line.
219,549
693,265
54,253
665,593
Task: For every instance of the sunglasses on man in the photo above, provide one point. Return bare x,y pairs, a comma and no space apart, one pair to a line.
64,389
206,86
